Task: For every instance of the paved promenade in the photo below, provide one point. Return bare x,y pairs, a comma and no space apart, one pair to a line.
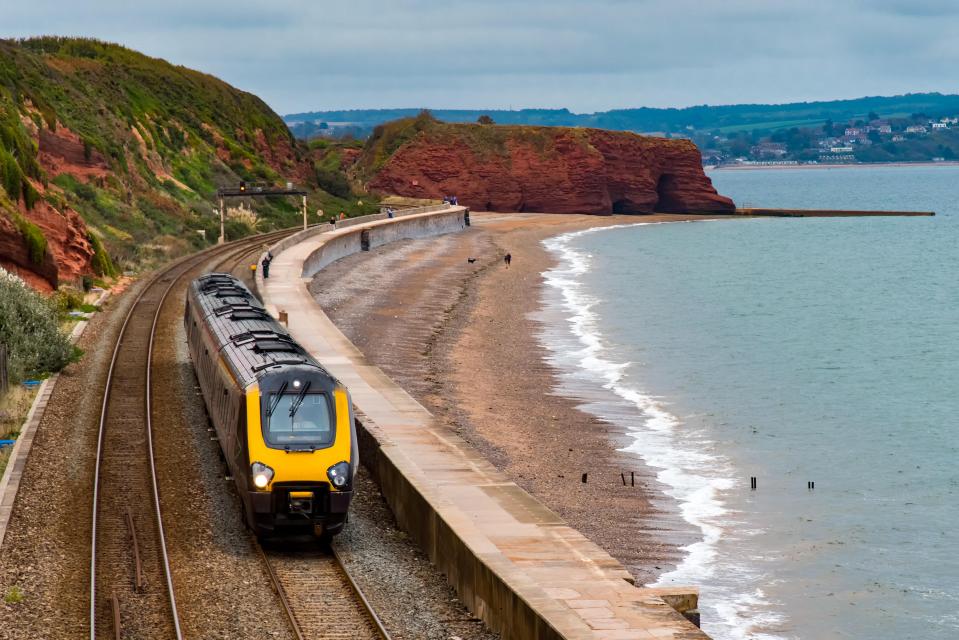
515,563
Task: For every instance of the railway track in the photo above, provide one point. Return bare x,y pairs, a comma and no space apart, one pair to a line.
131,589
320,596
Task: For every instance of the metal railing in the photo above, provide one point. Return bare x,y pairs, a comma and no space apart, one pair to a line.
382,215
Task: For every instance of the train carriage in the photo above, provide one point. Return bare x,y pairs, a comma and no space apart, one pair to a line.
285,425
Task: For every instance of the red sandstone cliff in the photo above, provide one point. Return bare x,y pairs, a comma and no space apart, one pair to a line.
555,169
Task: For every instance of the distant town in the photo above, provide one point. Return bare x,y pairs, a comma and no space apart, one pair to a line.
917,138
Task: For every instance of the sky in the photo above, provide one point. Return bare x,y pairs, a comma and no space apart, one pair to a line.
305,55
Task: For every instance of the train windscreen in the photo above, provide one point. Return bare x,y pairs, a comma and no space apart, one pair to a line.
300,421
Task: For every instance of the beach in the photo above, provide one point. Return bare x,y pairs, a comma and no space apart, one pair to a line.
463,338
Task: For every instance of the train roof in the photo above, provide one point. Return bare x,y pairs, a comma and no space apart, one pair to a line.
252,342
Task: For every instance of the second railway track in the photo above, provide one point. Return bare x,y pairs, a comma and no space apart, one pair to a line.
131,586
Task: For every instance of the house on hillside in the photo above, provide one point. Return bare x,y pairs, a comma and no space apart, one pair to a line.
852,131
898,138
884,129
940,125
768,150
916,128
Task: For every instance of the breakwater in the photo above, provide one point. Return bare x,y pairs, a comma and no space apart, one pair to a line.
825,213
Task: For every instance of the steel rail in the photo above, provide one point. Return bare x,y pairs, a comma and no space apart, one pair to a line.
280,592
380,627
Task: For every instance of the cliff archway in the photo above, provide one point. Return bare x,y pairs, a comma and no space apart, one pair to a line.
667,193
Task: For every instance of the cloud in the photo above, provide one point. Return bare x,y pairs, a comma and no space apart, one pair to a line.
299,55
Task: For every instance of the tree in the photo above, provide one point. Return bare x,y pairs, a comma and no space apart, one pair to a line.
873,116
485,119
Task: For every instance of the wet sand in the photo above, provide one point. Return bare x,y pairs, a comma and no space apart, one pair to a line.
461,337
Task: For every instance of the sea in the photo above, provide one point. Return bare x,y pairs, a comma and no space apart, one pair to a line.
792,351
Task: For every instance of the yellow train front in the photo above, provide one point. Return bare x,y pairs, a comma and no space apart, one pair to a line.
285,425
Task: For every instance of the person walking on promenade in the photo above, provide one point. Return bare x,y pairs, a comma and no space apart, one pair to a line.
267,259
389,212
507,259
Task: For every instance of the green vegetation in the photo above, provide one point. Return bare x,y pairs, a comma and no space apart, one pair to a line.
34,239
102,264
389,137
29,327
14,595
145,145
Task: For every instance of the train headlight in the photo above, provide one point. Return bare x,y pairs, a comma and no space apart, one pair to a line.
262,475
339,475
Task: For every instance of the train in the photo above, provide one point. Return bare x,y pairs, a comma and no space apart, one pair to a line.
285,424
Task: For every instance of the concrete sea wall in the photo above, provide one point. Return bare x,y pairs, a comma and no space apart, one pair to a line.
362,238
514,563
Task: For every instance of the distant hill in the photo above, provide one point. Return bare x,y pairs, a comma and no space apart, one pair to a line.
726,118
109,159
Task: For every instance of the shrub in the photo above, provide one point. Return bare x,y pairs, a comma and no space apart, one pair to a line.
11,175
333,182
66,299
30,195
14,595
102,264
28,326
34,239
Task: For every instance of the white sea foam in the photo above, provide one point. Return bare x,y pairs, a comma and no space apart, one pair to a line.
685,465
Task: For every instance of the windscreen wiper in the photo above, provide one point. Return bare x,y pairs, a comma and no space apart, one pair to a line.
299,399
276,400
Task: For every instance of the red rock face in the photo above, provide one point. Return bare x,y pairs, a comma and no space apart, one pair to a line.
69,252
63,152
575,171
68,249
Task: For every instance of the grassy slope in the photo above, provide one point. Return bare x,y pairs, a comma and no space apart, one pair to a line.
154,200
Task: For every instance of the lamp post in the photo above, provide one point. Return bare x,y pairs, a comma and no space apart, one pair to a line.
222,232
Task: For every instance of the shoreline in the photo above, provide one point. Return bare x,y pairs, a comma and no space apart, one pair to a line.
464,339
851,165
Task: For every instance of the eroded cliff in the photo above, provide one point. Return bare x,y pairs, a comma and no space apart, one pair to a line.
553,169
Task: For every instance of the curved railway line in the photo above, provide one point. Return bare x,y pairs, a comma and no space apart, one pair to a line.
131,586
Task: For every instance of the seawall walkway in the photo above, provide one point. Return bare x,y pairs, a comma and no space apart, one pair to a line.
514,562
